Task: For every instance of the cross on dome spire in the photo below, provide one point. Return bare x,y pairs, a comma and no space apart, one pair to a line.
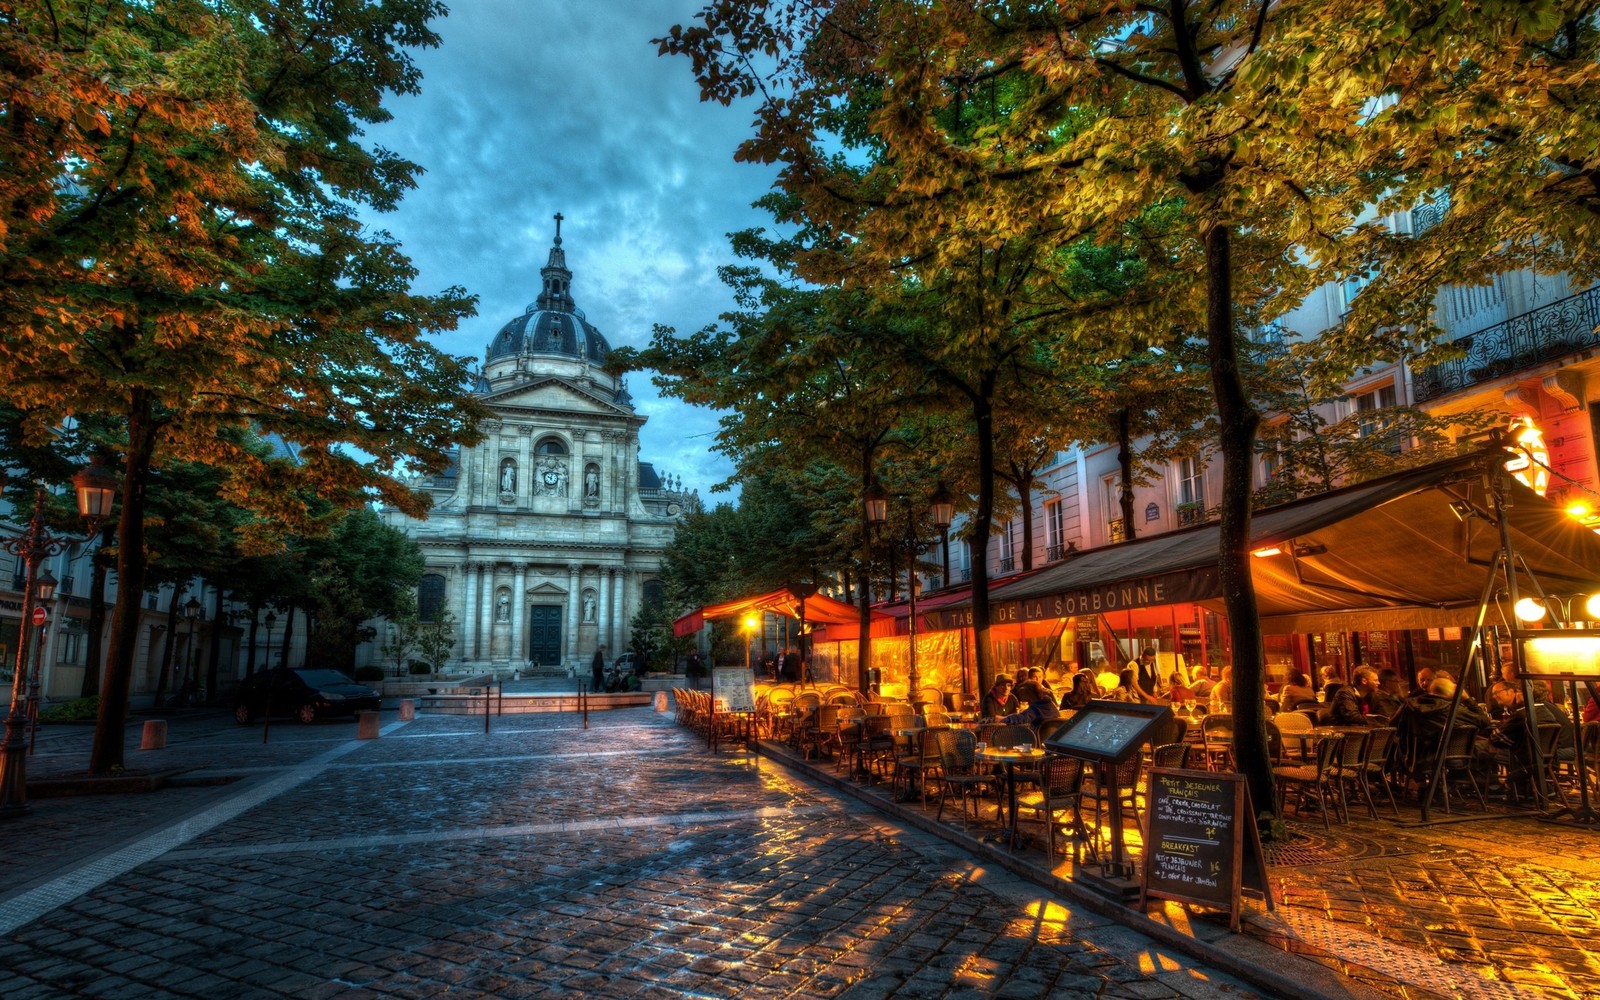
557,292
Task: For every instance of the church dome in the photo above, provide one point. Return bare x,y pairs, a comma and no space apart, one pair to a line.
550,331
552,324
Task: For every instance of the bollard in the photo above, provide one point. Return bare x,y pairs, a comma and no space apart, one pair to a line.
408,709
661,701
154,736
366,725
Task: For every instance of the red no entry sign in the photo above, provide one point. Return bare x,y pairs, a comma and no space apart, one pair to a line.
39,616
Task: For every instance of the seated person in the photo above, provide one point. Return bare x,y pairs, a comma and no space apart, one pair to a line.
998,701
1513,747
1204,683
1039,706
1295,690
1124,691
1222,693
1388,698
1083,691
1177,691
1036,675
1505,694
1420,729
1352,702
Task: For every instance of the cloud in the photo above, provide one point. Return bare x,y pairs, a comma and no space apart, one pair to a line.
533,107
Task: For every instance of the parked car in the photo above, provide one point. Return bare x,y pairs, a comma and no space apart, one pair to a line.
307,694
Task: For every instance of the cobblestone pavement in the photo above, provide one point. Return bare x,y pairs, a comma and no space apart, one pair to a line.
540,860
1495,908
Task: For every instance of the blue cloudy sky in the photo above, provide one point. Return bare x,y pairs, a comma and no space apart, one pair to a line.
533,107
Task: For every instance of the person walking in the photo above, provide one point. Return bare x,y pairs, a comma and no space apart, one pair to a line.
597,667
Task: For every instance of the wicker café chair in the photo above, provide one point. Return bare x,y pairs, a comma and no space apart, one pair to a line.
1059,800
959,771
1316,778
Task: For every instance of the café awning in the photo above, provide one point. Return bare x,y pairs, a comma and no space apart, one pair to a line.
818,608
1386,554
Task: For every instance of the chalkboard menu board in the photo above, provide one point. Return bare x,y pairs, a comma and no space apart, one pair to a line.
1196,826
733,689
1107,731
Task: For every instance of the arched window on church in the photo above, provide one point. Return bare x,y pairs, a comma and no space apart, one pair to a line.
430,597
654,597
550,446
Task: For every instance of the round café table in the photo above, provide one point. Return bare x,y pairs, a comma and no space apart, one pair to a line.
1010,758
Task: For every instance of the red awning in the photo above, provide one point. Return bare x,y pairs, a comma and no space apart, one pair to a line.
818,608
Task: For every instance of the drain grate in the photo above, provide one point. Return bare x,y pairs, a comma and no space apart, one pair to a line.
1317,848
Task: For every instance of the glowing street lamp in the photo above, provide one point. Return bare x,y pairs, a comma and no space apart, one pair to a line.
751,623
941,510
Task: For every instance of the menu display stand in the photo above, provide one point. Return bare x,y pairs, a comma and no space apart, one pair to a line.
1106,734
1198,825
732,693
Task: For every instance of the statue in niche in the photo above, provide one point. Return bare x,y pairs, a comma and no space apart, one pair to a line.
502,607
588,608
551,478
508,476
591,483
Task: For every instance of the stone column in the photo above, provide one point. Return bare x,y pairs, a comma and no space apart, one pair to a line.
519,615
574,606
602,610
525,469
619,624
469,613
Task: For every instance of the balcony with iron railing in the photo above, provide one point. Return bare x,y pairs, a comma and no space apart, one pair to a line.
1539,335
1008,564
1058,551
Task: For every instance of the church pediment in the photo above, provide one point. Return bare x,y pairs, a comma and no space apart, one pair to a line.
548,392
546,590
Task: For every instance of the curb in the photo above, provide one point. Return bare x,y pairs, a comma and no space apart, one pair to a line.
1244,957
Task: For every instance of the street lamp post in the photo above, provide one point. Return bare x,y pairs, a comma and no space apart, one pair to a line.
95,487
940,511
44,590
193,613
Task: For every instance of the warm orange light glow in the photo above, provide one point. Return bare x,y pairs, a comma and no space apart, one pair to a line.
1591,607
751,623
1530,459
1562,654
1529,610
1264,552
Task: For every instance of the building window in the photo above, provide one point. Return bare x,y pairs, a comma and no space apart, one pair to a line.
1008,555
1367,406
430,597
655,597
550,446
1054,540
1191,507
69,646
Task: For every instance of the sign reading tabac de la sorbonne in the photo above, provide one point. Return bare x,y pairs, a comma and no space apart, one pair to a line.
1198,584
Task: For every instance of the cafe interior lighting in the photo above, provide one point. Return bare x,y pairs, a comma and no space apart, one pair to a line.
1530,610
1267,551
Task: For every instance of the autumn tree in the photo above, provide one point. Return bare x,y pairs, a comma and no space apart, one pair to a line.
179,248
1161,127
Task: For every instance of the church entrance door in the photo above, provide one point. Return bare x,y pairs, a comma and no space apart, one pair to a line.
544,634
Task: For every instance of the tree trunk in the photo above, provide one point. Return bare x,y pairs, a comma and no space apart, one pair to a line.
100,565
131,566
864,593
983,422
1025,502
1238,420
288,635
1125,464
255,628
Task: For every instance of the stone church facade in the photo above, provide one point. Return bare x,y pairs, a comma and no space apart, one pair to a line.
546,538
